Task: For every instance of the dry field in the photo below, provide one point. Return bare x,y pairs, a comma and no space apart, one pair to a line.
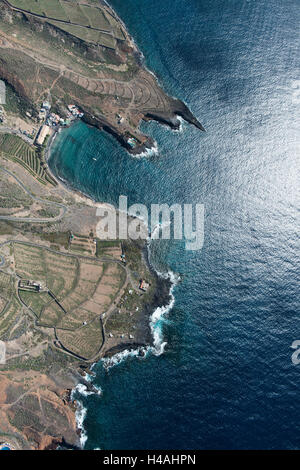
88,22
76,292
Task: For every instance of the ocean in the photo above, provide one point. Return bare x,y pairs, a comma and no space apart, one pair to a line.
225,378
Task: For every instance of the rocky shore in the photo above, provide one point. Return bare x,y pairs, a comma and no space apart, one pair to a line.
144,142
40,392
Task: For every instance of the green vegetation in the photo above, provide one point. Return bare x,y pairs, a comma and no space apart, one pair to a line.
51,8
42,363
12,195
14,148
87,341
6,290
103,246
86,34
5,285
6,228
14,201
75,13
48,213
14,103
35,301
9,317
29,262
88,22
58,238
29,5
80,291
96,17
121,322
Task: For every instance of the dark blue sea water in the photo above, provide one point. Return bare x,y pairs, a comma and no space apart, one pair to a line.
226,379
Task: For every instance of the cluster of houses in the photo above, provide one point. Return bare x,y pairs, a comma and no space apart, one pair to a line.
74,112
52,120
144,285
28,134
29,285
45,108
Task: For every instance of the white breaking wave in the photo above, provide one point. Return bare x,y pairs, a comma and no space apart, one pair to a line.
121,356
90,377
82,389
98,389
156,324
158,348
153,234
81,411
148,152
157,319
181,127
80,417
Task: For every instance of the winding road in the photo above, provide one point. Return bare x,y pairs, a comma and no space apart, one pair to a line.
40,220
69,23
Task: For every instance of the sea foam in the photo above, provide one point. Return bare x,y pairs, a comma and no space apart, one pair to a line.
81,411
149,152
157,321
80,417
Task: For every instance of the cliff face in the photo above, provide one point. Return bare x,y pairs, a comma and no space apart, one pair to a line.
44,59
42,350
108,83
12,79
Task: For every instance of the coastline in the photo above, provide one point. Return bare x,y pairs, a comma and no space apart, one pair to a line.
172,119
161,278
184,113
177,109
152,337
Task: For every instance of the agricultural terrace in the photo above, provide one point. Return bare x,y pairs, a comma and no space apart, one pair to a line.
87,21
6,289
10,308
14,148
109,249
75,292
82,245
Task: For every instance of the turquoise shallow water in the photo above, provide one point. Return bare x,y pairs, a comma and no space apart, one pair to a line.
226,379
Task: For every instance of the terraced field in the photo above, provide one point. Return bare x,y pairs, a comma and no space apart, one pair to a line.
76,293
88,22
6,289
89,35
9,317
29,262
14,148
